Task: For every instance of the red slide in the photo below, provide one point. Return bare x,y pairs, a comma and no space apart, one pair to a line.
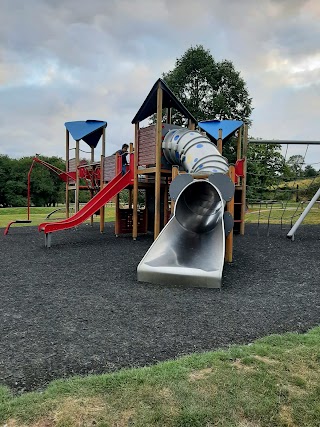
104,196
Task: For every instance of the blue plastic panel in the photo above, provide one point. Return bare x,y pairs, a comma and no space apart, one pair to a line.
228,127
90,130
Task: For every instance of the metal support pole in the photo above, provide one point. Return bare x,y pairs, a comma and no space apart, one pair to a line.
291,233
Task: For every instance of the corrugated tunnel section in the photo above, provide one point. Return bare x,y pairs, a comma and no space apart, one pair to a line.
194,152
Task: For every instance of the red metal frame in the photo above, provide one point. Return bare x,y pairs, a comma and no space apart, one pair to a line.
63,175
18,221
118,183
50,167
113,187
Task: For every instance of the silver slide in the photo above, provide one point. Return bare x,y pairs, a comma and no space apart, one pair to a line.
190,249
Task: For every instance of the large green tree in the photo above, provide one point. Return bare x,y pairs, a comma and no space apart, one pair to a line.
5,168
208,89
46,187
264,171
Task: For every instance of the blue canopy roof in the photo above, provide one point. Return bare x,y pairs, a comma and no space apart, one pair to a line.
89,131
229,127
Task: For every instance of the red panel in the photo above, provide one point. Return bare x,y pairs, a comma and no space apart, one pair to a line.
104,196
239,168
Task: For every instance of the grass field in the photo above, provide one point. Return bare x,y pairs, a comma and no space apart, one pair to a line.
285,213
39,214
272,382
256,213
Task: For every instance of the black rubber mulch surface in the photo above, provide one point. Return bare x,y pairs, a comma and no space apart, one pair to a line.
77,308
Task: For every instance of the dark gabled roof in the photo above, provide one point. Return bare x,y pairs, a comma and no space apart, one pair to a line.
89,131
169,100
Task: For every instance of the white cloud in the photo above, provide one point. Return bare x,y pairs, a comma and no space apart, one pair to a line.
69,60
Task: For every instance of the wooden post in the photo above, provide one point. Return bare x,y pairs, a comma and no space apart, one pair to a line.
157,203
175,173
191,125
135,183
117,200
165,203
76,201
244,179
239,149
169,115
130,189
92,190
239,144
67,170
103,154
219,142
230,208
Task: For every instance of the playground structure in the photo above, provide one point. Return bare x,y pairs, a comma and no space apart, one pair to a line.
157,160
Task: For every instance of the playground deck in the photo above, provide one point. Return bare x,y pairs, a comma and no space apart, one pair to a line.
70,310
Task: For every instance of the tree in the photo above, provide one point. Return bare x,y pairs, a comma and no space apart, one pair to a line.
47,189
265,170
295,165
310,172
5,168
208,89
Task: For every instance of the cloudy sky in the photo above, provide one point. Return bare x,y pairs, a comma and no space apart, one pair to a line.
64,60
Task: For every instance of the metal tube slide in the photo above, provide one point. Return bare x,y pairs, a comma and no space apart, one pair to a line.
190,249
193,151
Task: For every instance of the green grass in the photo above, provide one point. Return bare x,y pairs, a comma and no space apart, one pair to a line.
304,183
273,382
38,215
